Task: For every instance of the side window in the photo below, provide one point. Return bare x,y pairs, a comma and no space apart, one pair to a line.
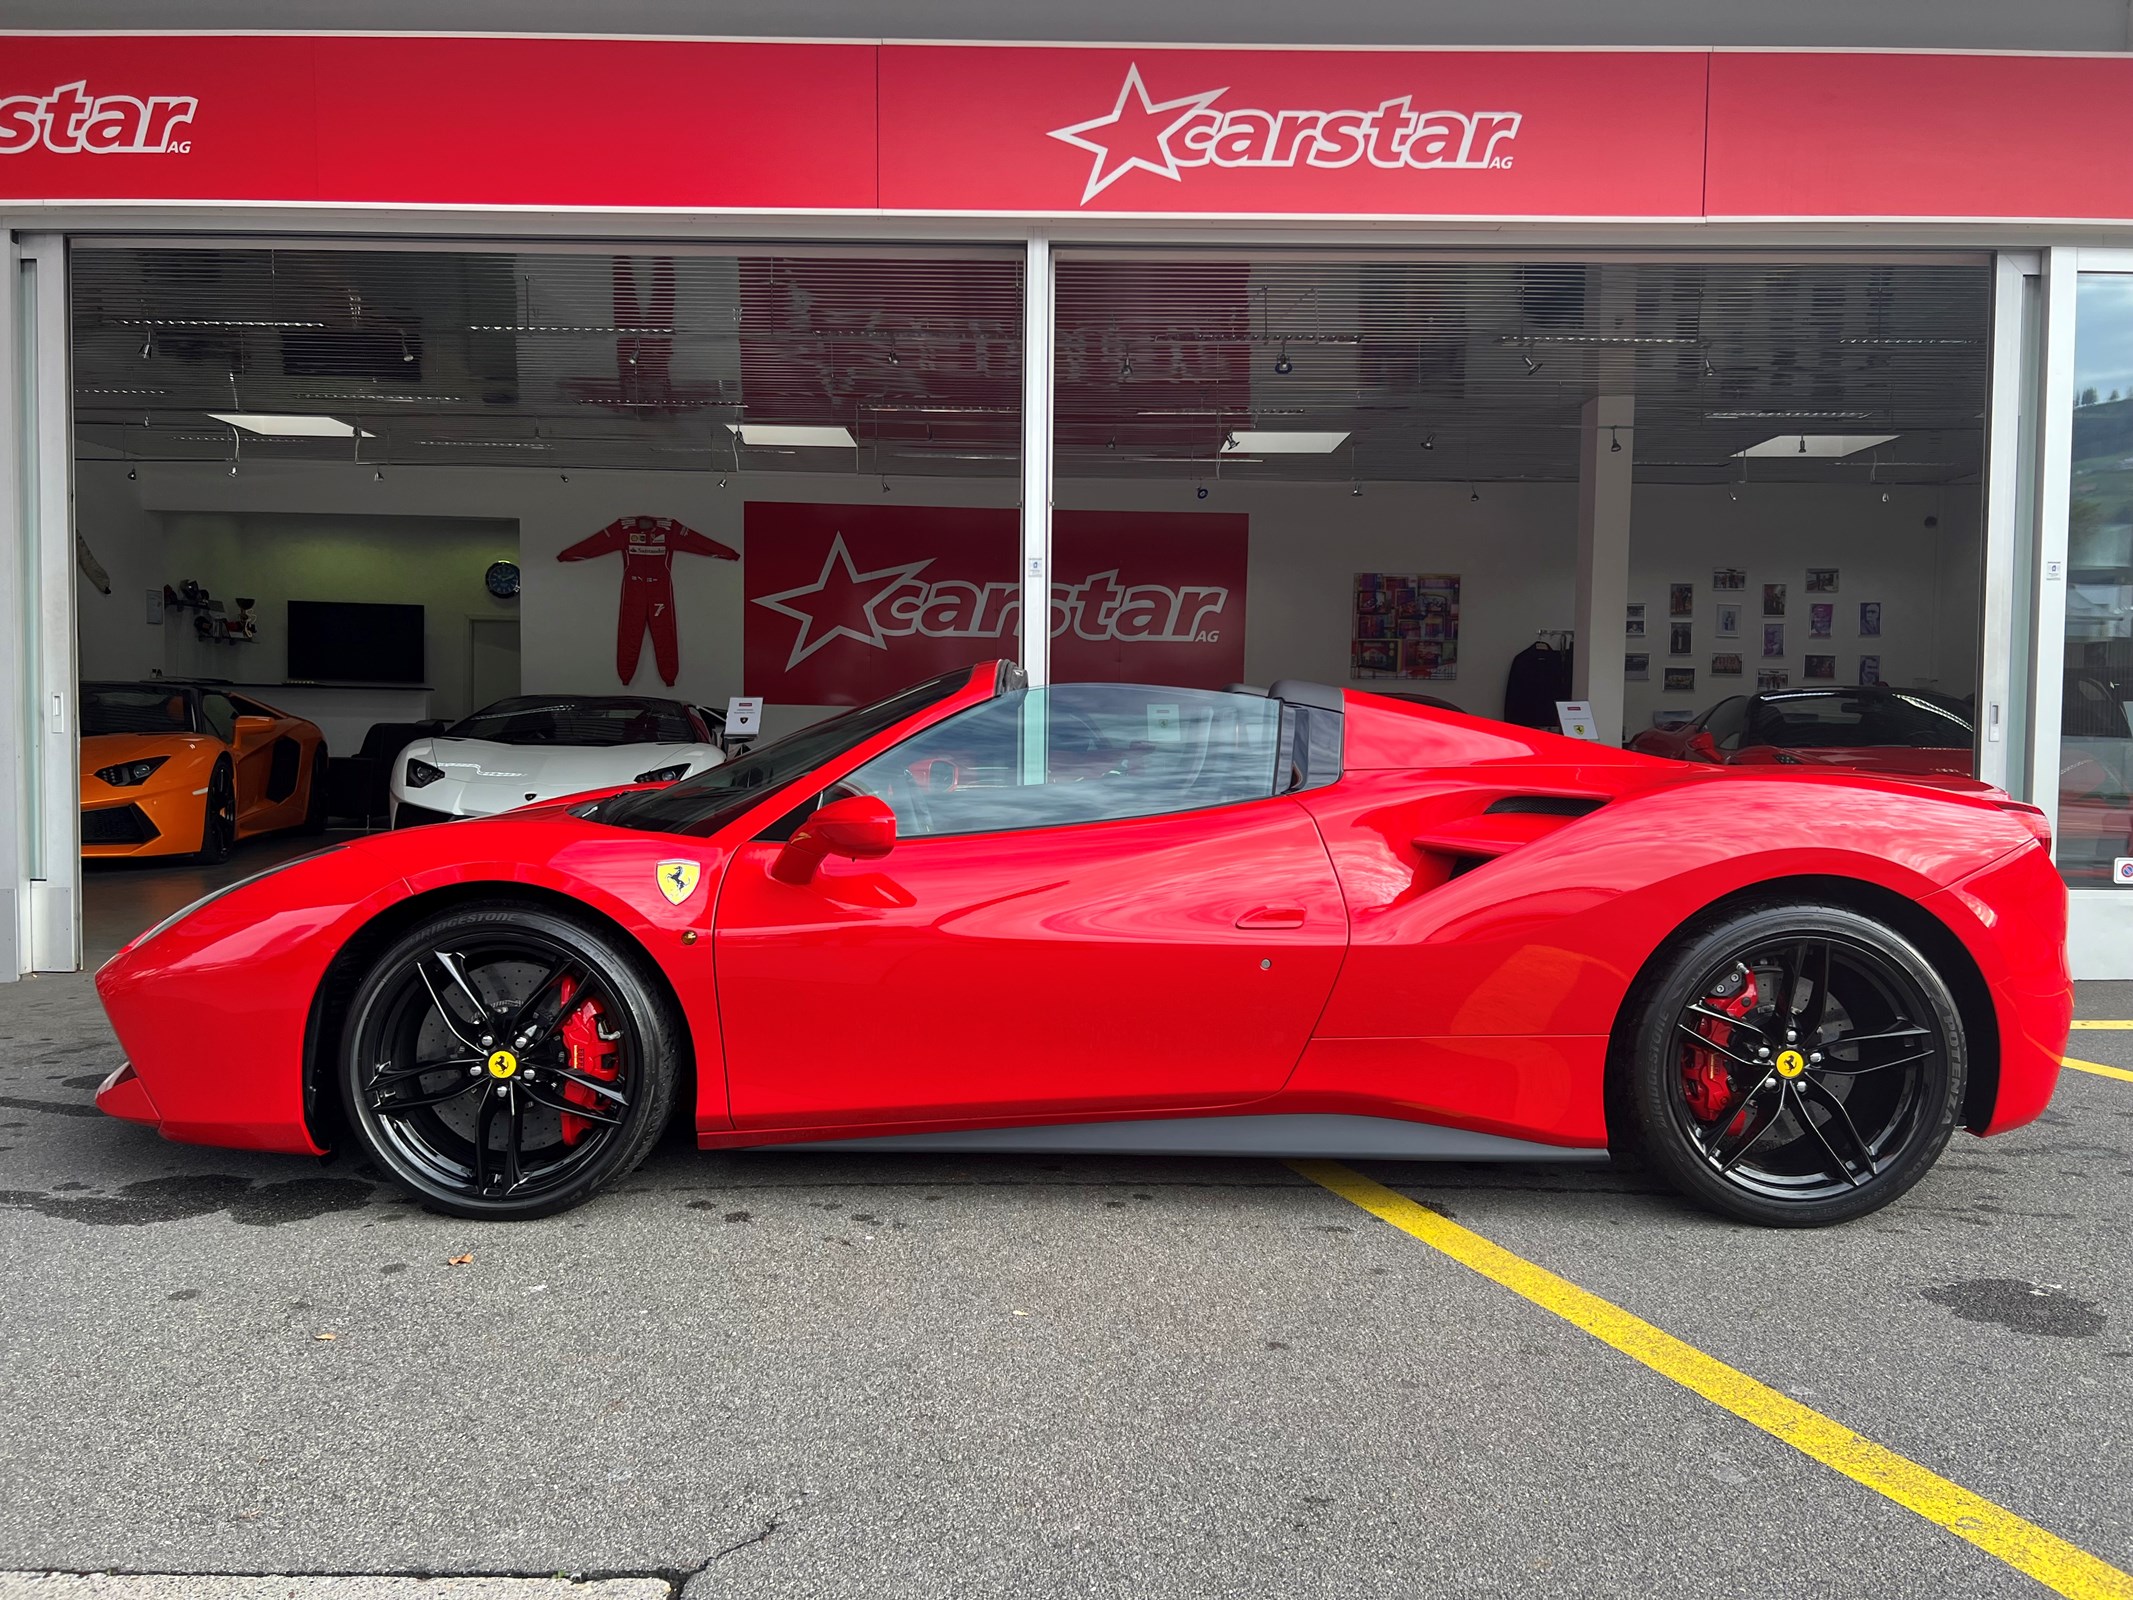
221,716
1727,722
1084,752
248,708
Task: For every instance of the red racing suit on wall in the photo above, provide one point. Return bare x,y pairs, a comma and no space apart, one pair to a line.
647,545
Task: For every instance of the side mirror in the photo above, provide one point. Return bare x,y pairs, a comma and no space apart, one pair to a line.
253,727
1703,747
860,826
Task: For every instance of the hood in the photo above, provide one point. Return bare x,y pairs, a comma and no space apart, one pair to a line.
108,749
552,769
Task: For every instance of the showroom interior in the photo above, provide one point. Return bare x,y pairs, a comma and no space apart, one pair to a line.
1793,450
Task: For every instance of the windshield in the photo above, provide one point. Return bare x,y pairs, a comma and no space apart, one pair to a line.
598,722
707,802
135,708
1841,721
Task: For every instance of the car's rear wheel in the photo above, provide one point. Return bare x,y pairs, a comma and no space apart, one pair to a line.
1796,1065
315,797
218,821
503,1061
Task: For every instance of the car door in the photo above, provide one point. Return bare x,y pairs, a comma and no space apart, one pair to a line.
1096,903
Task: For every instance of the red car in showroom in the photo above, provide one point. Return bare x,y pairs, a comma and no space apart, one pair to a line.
1111,917
1910,731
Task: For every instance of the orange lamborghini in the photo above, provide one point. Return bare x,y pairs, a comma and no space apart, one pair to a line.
187,769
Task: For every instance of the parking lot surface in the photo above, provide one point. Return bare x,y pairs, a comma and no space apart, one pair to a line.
787,1374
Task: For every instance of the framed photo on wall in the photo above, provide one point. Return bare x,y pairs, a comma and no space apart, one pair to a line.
1680,680
1870,619
1637,668
1772,678
1727,665
1681,599
1729,580
1821,617
1729,620
1773,639
1679,640
1773,599
1634,627
1869,671
1406,625
1821,580
1821,667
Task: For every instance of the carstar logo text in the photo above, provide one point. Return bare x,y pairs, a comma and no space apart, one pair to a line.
71,120
1167,136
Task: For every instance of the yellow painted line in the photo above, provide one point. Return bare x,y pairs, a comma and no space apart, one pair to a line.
2060,1566
2104,1024
2099,1069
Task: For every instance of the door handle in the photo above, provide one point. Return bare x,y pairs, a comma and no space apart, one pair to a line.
1273,917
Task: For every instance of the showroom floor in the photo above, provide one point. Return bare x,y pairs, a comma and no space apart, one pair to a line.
827,1375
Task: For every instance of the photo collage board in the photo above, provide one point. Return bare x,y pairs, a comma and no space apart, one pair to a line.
1406,626
1741,618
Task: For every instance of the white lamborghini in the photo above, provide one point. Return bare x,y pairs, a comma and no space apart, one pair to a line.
540,747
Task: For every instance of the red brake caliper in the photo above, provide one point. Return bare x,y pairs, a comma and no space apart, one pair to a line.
590,1054
1705,1082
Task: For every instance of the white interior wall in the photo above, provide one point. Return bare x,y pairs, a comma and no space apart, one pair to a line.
117,639
1927,580
1514,549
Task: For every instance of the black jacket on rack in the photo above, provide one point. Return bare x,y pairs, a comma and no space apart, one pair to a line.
1540,676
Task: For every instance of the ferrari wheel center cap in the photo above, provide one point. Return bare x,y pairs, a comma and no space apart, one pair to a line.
502,1063
1790,1063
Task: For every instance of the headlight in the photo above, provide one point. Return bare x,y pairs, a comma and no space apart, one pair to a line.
130,774
672,774
420,774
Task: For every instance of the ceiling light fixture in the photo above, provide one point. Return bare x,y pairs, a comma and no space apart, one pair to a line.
793,436
1257,441
1356,490
1199,491
405,353
288,425
1614,445
1827,446
1474,495
1283,366
1429,441
148,344
1125,369
1533,366
1654,339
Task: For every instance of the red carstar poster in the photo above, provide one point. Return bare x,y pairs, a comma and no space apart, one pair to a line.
848,603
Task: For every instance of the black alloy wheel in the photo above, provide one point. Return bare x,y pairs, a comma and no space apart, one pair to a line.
502,1061
1797,1065
218,822
314,822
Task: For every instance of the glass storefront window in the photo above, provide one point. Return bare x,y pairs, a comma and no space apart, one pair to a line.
2095,822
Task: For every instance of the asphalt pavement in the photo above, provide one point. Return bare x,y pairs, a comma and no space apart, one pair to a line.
780,1375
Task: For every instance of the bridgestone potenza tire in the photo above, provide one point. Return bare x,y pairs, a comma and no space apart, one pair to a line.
502,1061
1793,1065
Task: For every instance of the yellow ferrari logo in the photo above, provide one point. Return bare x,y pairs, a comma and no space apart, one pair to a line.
502,1063
1790,1063
677,879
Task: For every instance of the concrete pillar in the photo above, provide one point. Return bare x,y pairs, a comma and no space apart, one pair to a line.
1603,556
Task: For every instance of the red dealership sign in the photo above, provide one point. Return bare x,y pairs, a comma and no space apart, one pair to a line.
1048,130
1360,133
848,603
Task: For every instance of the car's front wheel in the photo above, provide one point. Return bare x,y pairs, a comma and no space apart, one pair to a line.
1795,1065
503,1061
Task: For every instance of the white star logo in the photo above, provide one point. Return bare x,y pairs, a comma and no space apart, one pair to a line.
1139,126
844,606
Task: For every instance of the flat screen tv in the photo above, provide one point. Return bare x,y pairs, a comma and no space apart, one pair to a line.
344,641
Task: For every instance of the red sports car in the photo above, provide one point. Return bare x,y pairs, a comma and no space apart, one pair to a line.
1109,917
1912,731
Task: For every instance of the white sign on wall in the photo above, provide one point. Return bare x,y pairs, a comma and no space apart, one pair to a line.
2122,871
744,716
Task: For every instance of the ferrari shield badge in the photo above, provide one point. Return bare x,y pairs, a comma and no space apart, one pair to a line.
677,879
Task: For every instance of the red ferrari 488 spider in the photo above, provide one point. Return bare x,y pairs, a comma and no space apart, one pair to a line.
1109,917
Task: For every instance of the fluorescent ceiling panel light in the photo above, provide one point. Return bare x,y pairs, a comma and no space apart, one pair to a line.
288,426
1787,416
1259,442
1825,445
784,436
